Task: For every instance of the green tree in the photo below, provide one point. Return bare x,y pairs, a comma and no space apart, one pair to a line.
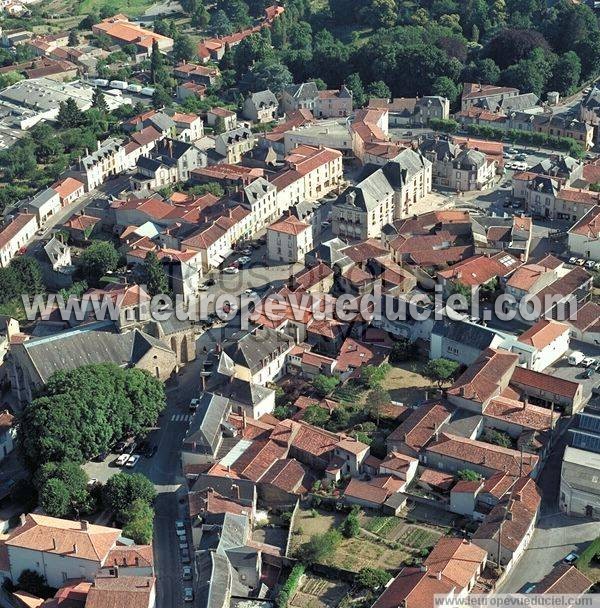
200,17
372,376
84,411
183,48
55,499
316,415
69,114
379,89
320,546
122,490
441,370
468,475
99,258
53,480
354,83
29,273
372,578
271,75
403,350
139,520
157,64
498,438
34,583
9,78
595,187
445,87
566,74
213,188
99,101
325,384
161,98
483,71
219,126
220,25
350,527
154,276
377,399
73,38
379,13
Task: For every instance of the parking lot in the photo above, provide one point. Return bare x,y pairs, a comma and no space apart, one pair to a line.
574,373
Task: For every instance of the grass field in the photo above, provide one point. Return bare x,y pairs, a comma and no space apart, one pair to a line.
317,592
406,385
352,554
398,530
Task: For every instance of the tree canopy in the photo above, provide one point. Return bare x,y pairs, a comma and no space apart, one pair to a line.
83,412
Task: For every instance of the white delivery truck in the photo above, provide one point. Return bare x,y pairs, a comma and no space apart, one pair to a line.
118,84
576,357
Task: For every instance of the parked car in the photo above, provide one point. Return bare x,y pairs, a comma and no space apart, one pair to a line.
573,260
188,594
121,445
597,266
244,260
529,588
121,460
151,451
521,157
580,262
512,151
246,251
194,404
587,373
187,573
590,264
571,558
588,361
132,461
231,270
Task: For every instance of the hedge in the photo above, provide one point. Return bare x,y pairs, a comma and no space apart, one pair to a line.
590,553
289,587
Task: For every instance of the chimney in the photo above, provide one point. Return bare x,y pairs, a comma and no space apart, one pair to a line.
75,548
85,524
53,544
236,488
243,419
439,575
116,570
22,519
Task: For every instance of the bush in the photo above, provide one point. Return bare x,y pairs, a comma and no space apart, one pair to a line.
289,587
139,518
350,527
372,578
34,583
320,546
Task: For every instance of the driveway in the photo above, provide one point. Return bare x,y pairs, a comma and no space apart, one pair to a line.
554,538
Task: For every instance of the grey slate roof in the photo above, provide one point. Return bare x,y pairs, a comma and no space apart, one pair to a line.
592,99
470,159
235,135
42,198
368,194
561,166
257,189
240,391
162,121
304,91
476,336
214,577
517,103
204,433
264,99
440,149
87,344
253,348
226,487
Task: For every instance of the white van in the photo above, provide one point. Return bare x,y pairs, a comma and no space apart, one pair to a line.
576,357
122,459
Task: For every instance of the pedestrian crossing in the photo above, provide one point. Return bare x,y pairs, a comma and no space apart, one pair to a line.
181,417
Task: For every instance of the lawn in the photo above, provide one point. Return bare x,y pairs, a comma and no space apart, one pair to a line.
398,530
352,554
317,592
132,8
406,385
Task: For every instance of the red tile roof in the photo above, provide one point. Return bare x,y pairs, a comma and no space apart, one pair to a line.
473,90
418,429
587,318
67,186
287,474
564,579
483,454
437,479
544,382
480,269
588,225
456,560
8,233
121,592
355,354
484,378
289,225
413,588
140,556
543,333
367,490
520,413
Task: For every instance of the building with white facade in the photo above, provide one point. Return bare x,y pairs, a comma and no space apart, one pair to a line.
15,235
580,483
289,240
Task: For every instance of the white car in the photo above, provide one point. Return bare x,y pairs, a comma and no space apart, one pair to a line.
244,259
590,264
188,594
573,260
132,461
122,459
231,270
597,266
588,361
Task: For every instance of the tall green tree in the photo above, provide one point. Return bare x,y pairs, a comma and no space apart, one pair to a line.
97,260
139,522
441,370
99,101
157,64
354,83
122,490
69,114
153,275
183,48
220,25
54,479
